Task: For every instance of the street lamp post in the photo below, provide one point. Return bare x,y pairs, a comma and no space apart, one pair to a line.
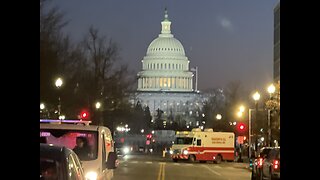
58,85
250,110
256,97
42,107
239,114
271,90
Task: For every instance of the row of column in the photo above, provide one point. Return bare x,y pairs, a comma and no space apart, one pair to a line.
165,82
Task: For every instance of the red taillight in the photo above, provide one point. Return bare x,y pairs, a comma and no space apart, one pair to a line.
276,164
260,160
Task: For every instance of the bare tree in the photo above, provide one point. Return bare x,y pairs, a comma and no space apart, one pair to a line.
110,79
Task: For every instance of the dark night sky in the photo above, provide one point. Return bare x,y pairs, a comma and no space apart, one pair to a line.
227,39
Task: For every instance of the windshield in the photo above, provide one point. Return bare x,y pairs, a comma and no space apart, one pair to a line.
83,143
264,152
183,140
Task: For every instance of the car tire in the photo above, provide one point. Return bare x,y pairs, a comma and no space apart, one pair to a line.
202,161
175,160
218,159
192,158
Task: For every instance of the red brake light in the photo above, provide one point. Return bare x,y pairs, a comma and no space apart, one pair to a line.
276,164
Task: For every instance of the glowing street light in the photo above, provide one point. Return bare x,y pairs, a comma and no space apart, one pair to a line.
256,96
271,89
218,116
58,83
42,106
98,105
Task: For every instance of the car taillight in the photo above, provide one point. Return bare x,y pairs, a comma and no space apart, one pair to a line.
276,164
260,160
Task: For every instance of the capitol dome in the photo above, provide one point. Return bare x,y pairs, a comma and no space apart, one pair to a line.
165,66
165,46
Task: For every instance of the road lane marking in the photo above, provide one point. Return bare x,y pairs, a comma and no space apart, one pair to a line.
176,163
213,171
149,162
134,162
161,173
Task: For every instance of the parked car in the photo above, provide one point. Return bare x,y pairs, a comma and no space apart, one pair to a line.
257,162
271,165
58,162
98,157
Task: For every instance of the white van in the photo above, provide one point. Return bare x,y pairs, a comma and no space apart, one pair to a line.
101,160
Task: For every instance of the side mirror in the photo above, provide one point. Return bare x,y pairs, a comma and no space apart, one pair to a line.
112,162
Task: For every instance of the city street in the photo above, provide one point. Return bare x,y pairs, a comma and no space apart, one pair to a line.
137,167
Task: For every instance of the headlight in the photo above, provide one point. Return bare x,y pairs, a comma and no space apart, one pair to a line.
126,150
91,175
171,152
185,152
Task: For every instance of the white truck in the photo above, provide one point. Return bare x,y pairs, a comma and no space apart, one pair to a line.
197,145
100,161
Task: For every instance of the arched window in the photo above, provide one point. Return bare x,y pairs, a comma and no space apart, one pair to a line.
157,66
169,66
165,66
161,66
154,66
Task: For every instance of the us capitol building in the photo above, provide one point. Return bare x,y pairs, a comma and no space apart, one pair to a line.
165,82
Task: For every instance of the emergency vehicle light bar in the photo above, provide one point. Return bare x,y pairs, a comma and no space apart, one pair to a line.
184,132
64,121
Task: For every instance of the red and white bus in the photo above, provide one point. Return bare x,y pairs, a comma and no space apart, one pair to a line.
197,145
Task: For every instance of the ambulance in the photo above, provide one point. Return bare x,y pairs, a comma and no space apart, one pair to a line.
206,145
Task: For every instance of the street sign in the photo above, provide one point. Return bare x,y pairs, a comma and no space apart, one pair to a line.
240,139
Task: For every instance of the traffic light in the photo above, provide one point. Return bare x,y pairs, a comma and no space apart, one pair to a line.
149,136
241,127
84,114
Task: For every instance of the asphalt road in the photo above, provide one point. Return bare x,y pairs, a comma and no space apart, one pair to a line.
154,167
